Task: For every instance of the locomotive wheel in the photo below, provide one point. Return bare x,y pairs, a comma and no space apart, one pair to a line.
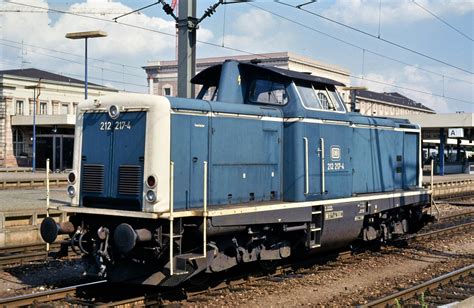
268,266
200,279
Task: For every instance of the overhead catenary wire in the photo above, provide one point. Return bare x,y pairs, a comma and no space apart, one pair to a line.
378,38
243,51
262,55
443,21
70,54
72,61
357,46
67,74
413,90
134,26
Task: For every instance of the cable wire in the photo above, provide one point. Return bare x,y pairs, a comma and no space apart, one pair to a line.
71,61
357,46
379,38
70,54
81,76
442,20
259,54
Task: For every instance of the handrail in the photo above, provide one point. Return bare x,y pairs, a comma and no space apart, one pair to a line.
171,218
306,166
204,214
47,195
323,175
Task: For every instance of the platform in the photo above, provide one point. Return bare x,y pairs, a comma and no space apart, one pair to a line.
13,200
449,178
9,180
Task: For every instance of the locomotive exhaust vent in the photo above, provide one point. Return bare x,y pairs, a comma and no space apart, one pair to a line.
93,178
130,179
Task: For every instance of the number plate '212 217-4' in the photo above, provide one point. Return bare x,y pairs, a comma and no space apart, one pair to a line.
119,125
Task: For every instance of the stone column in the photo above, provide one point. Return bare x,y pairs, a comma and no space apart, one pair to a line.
150,84
10,160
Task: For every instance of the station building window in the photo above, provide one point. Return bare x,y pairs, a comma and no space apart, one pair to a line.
18,142
43,108
167,90
19,107
64,108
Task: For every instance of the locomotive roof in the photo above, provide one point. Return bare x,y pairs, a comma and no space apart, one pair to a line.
211,74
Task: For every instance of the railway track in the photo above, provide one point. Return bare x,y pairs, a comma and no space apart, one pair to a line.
48,296
446,289
18,254
196,294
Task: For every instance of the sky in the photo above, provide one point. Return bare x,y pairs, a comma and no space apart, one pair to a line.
423,49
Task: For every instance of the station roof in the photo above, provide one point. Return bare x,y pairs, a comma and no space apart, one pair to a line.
394,98
45,75
443,120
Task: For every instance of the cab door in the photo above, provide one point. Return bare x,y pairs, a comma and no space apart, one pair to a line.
199,153
312,161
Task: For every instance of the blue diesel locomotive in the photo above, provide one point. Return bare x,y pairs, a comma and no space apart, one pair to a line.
265,163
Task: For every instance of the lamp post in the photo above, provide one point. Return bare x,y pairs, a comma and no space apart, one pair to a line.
85,35
37,86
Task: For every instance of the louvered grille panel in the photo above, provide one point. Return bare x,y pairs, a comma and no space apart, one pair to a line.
130,179
92,178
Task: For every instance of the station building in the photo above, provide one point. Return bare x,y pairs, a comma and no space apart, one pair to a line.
57,98
391,104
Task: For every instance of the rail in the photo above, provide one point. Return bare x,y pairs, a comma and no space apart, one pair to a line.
47,296
407,294
12,255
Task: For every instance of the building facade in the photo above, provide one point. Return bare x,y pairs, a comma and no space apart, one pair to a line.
57,98
391,104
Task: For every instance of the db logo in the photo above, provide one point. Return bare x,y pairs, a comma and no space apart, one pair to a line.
335,153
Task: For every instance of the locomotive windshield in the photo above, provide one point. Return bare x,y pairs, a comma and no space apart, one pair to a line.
208,93
268,92
320,97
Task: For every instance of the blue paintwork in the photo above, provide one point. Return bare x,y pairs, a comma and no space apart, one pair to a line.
112,148
253,154
242,152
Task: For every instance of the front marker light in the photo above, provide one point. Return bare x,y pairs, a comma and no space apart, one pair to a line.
114,111
151,181
150,196
71,177
71,191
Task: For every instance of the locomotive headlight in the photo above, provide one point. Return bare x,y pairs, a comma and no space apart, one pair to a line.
114,111
71,191
150,196
71,177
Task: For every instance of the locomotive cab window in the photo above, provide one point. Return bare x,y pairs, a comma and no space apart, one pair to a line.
320,97
268,92
208,93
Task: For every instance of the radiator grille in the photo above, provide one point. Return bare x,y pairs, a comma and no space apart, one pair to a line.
93,178
130,179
